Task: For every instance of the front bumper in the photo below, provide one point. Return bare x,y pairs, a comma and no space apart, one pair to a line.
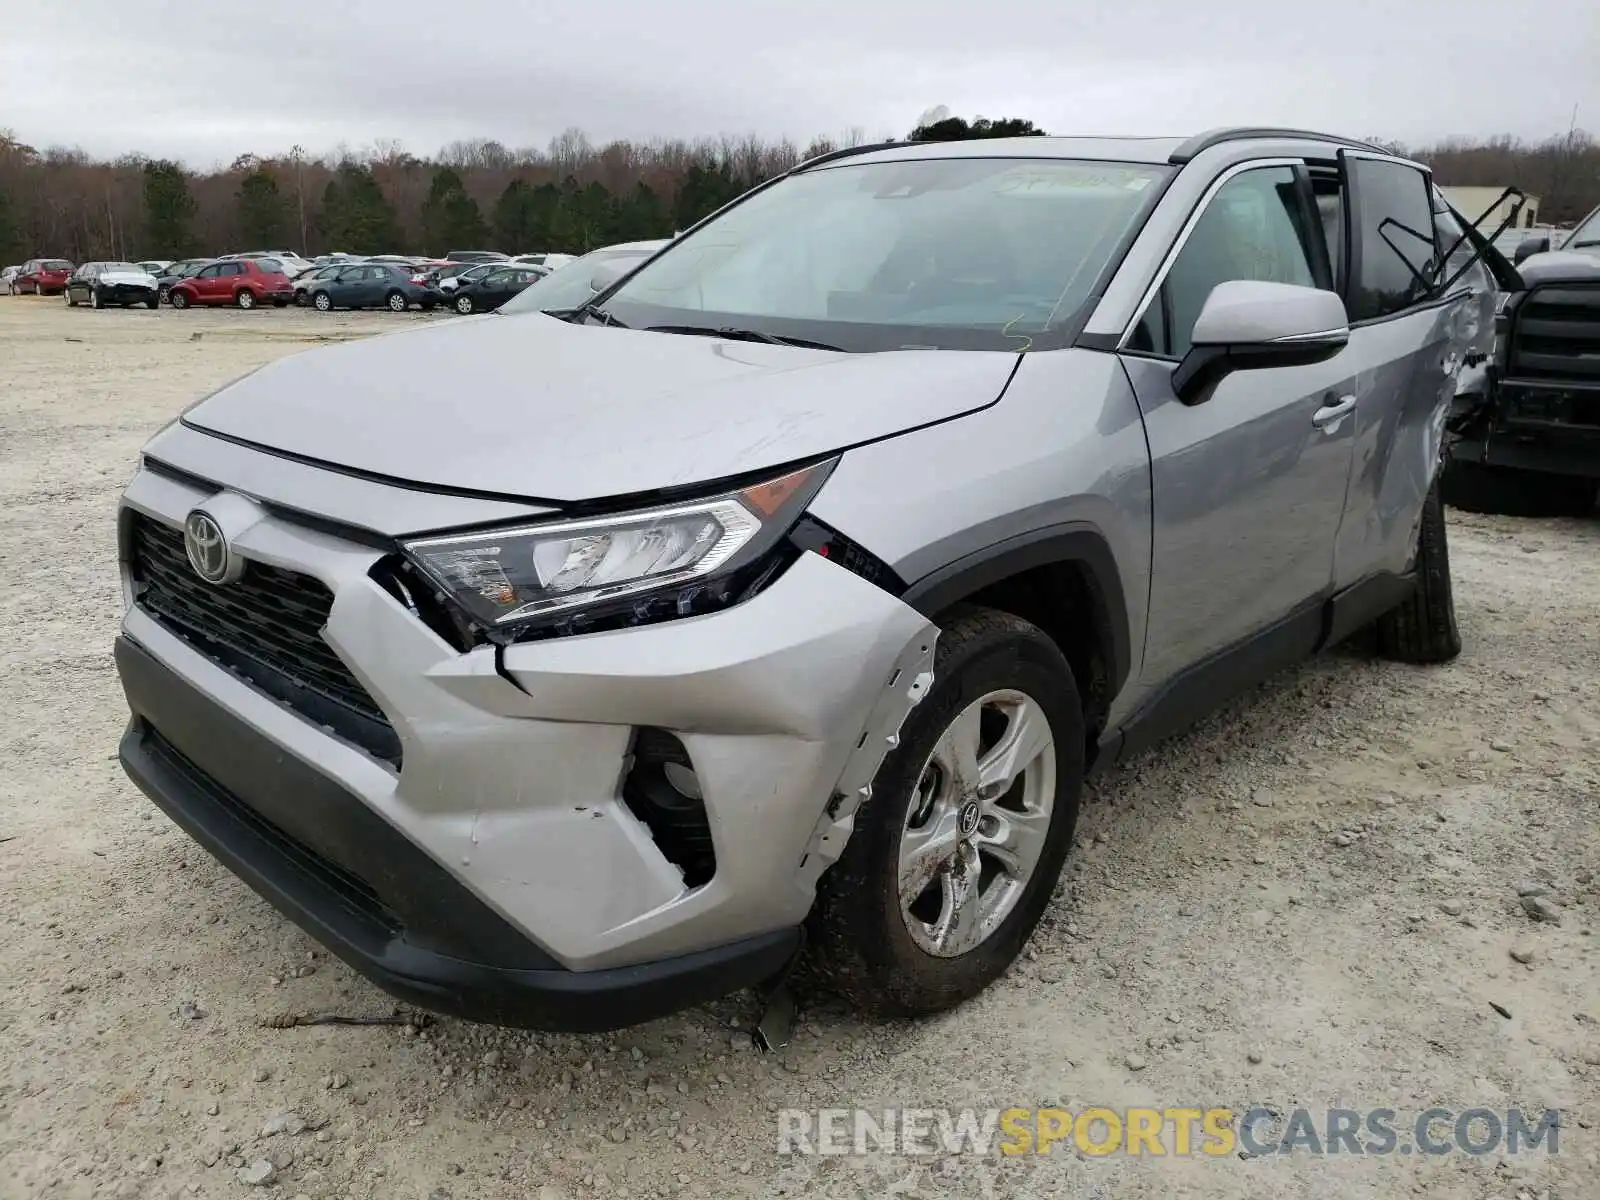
509,799
256,811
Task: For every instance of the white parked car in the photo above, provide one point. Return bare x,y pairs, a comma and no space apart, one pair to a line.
8,280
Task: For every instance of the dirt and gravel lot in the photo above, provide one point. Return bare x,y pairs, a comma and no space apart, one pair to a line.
1312,900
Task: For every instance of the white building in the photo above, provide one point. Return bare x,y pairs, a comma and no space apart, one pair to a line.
1470,202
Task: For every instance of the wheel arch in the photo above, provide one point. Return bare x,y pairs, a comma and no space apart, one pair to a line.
1061,578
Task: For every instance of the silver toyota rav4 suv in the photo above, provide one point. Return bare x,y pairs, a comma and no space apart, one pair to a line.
782,595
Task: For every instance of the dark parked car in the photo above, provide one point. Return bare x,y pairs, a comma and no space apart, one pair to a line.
476,256
43,277
304,282
245,282
182,269
490,291
372,285
100,284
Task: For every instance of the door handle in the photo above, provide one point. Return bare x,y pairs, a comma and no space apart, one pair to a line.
1331,413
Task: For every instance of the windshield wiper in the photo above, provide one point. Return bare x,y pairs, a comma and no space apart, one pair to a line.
587,309
743,335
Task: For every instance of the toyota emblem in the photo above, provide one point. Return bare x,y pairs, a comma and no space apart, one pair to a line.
208,550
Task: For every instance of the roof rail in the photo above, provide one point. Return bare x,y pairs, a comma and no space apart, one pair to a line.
846,152
1215,137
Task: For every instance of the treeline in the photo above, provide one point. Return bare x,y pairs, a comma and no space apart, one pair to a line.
571,196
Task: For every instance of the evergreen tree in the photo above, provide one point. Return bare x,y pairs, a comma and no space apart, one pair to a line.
450,217
706,187
168,209
954,129
263,210
525,217
641,215
10,234
356,217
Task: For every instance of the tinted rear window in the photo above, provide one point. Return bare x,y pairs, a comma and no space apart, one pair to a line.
56,264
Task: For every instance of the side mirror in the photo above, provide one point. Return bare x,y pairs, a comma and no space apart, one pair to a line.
604,276
1246,325
1528,247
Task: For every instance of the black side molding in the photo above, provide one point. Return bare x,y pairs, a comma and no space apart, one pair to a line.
1069,543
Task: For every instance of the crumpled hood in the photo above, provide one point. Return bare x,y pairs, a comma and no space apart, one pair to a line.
534,407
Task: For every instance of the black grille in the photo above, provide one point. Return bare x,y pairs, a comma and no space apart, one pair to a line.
267,627
1556,335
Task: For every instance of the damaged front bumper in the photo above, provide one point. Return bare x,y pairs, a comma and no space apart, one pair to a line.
499,872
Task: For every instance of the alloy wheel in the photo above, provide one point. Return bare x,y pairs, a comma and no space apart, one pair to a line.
977,823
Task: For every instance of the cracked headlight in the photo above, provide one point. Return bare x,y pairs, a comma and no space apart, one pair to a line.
520,574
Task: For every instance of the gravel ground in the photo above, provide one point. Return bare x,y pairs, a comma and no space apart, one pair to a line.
1312,900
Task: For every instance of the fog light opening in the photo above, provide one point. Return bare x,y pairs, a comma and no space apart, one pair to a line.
662,790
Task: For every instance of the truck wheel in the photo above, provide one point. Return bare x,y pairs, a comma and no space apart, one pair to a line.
956,854
1512,492
1422,628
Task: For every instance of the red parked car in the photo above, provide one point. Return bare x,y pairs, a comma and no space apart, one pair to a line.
44,276
245,282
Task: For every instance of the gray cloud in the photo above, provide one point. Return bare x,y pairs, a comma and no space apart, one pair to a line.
205,81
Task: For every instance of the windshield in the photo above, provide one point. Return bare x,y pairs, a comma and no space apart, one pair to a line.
953,253
567,287
55,264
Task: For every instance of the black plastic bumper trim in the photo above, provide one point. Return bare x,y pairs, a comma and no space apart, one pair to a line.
340,907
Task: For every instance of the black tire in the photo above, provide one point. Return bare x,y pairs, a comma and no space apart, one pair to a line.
322,302
396,301
153,302
1422,628
178,300
95,300
860,946
244,298
71,303
464,305
1511,492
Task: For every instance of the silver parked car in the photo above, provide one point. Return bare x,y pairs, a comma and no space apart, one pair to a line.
796,582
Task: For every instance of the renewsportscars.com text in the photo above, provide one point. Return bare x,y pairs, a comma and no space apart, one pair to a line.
1156,1132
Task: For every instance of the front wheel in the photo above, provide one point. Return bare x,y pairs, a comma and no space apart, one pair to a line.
178,300
322,302
95,299
956,854
71,303
153,302
464,305
396,302
246,299
1422,628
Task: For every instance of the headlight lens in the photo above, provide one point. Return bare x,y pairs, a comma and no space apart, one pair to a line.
503,577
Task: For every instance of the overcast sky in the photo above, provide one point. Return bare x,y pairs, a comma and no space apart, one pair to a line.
205,81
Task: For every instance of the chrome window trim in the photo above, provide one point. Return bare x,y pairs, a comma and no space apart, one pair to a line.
1217,184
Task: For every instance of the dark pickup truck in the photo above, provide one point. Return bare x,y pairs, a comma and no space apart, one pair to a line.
1532,446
